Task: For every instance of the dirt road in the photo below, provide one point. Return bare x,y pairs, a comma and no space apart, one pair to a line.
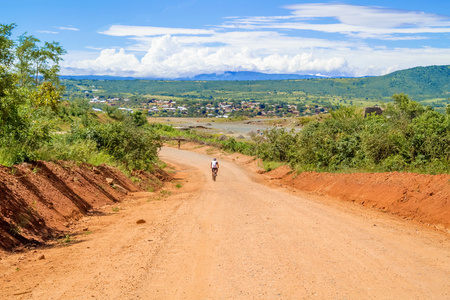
236,238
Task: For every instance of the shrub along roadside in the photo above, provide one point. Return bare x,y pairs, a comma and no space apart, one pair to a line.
134,146
407,137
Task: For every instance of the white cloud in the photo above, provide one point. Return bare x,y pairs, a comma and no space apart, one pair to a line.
167,58
178,61
94,48
260,42
367,16
47,31
355,20
110,62
123,30
274,44
69,28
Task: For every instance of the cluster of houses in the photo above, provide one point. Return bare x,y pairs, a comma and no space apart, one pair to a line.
164,105
217,109
109,101
225,109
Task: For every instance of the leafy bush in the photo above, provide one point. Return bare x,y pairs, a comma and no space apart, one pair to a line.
80,151
234,146
275,144
136,147
406,137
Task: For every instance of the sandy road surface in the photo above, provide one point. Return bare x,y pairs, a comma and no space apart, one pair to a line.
234,239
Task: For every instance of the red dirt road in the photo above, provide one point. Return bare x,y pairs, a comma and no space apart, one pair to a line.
236,238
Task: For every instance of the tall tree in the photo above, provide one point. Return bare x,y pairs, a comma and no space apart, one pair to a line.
45,62
36,64
24,52
6,46
9,99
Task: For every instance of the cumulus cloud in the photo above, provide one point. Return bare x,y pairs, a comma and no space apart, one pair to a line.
110,62
167,58
276,44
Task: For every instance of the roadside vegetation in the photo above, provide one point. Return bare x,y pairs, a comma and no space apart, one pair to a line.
36,124
406,137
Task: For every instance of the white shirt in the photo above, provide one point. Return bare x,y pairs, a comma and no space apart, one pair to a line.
214,164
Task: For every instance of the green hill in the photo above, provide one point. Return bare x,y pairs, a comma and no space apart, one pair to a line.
420,83
430,85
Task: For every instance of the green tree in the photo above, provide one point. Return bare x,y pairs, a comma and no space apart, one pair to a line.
6,46
36,63
139,118
26,113
403,109
45,61
10,96
24,53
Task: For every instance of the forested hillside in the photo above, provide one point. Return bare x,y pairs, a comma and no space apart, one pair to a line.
430,85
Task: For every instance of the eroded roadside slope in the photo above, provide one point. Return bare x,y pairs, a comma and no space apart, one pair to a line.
420,197
41,201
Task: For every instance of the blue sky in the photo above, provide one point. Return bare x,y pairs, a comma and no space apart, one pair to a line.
188,37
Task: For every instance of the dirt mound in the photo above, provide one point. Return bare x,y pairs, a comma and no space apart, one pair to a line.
279,172
40,201
420,197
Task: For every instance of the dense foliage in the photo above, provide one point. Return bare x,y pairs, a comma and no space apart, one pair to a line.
407,137
135,147
32,112
29,94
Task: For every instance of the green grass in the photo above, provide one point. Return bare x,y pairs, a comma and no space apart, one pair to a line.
135,179
67,239
272,165
165,194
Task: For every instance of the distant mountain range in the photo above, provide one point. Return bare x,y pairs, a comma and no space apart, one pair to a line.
416,74
245,75
95,77
240,75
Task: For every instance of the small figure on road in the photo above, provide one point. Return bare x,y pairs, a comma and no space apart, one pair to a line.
214,168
